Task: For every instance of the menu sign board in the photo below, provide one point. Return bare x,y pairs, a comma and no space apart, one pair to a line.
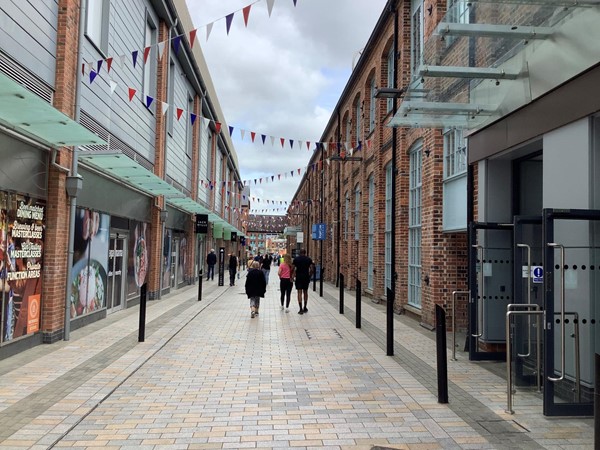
21,252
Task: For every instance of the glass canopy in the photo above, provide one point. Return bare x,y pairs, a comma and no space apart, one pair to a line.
487,58
31,116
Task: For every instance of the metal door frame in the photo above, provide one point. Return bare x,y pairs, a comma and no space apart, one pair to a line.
550,215
116,234
473,318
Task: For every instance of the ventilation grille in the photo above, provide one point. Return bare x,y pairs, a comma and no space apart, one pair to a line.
179,186
114,142
21,75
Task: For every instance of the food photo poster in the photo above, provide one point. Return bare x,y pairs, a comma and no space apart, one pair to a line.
90,262
138,260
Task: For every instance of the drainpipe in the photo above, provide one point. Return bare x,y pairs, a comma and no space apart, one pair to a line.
74,182
338,225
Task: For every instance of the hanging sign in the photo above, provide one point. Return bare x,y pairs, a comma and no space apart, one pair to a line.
201,223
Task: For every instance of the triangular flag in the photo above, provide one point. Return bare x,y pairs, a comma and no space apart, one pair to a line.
228,20
246,12
218,127
108,64
100,61
307,145
295,3
192,38
164,108
252,135
92,76
132,92
206,124
83,69
122,60
230,131
179,113
272,178
177,43
146,53
272,140
113,86
325,146
264,137
161,49
282,141
242,133
299,171
270,6
193,117
149,101
291,143
134,55
208,30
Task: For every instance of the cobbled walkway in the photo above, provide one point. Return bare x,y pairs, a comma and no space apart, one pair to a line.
209,376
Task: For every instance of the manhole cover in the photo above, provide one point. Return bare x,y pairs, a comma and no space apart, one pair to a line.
502,426
323,334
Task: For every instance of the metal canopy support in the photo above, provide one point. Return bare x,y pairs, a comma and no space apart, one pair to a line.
495,31
468,72
451,108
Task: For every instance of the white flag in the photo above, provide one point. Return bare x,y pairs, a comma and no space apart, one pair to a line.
164,107
242,133
161,49
113,86
272,141
208,30
270,4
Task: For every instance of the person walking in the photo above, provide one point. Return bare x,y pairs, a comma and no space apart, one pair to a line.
286,274
255,287
211,260
233,268
266,267
303,270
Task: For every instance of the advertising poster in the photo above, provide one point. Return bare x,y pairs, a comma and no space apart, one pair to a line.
90,262
183,260
22,224
167,260
139,256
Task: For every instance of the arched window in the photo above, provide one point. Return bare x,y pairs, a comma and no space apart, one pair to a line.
357,212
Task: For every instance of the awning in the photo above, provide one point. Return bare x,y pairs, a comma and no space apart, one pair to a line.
488,58
26,113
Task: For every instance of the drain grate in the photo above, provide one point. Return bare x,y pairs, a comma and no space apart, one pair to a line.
502,426
323,334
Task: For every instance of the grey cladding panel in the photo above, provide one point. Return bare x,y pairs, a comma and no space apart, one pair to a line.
28,34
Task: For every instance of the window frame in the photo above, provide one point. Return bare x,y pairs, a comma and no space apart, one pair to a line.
390,77
150,40
416,36
372,104
455,155
371,233
98,38
357,212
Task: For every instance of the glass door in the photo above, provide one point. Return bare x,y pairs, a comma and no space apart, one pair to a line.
174,263
116,277
527,325
491,286
571,286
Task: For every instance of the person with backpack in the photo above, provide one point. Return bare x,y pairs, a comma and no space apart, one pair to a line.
255,287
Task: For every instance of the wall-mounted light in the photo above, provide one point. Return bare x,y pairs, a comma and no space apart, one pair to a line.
164,215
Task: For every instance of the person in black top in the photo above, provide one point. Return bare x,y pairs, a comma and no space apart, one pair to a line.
255,287
266,267
303,269
211,260
233,266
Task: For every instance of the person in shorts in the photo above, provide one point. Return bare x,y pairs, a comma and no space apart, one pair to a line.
255,287
303,270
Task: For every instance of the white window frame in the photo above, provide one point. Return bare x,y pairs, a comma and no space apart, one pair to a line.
149,81
346,215
388,226
171,96
372,105
97,23
455,153
189,128
414,225
458,11
416,36
358,112
390,77
349,128
371,233
455,181
357,212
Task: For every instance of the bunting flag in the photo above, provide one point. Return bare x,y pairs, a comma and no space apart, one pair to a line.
246,12
161,49
282,142
108,64
92,76
179,113
83,69
208,30
177,43
193,118
228,20
132,92
218,127
113,86
270,4
307,145
264,137
291,143
122,60
134,55
146,53
272,140
294,3
149,101
230,131
192,38
242,133
164,107
252,136
99,65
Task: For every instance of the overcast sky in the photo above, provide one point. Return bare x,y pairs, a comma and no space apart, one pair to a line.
281,76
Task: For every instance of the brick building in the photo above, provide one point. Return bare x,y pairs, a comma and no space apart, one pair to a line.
479,174
124,90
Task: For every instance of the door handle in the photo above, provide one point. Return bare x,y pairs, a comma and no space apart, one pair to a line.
528,299
562,311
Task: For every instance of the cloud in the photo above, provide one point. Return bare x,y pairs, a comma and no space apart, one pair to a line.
281,76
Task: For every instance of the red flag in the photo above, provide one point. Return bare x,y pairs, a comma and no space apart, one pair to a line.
192,38
132,92
282,142
83,69
246,12
299,171
218,127
108,64
252,135
146,53
307,145
179,113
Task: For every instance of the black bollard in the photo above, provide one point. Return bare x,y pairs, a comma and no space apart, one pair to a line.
200,285
321,281
341,293
315,280
390,322
358,302
597,401
142,327
442,353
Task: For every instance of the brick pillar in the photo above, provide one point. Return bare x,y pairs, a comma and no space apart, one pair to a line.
57,207
156,239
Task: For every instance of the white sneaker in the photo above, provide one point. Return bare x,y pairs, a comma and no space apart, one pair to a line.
287,310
